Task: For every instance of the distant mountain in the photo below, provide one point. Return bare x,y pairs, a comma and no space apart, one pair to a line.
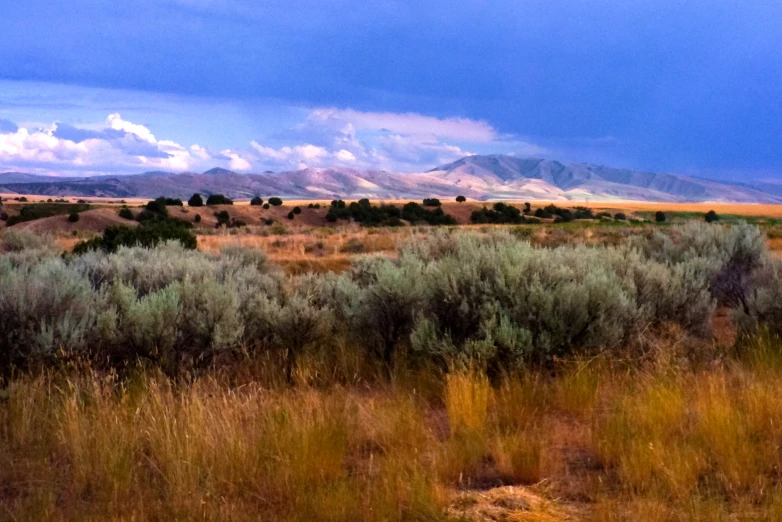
499,174
476,177
217,171
21,177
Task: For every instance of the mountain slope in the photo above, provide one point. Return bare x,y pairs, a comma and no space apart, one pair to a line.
498,173
476,177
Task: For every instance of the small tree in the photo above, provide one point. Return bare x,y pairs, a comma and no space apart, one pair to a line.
197,218
527,208
659,216
126,213
275,201
73,217
291,214
711,217
297,210
257,201
266,206
431,202
158,206
620,216
460,199
195,201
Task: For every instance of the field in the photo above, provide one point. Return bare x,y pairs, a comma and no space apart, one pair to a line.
310,370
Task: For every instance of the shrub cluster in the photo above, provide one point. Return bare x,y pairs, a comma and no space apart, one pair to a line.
500,213
367,214
565,215
218,199
148,234
44,210
487,298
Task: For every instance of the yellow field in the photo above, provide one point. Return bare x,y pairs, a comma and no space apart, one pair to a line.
743,209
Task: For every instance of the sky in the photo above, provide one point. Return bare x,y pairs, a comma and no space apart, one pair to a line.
106,87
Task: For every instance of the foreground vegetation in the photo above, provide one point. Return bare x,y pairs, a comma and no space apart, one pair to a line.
169,383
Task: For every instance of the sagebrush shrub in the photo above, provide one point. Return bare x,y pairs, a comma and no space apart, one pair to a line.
46,311
489,298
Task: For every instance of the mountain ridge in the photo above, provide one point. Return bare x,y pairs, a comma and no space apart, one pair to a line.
482,177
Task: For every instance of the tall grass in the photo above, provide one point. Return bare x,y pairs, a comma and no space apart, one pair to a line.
663,444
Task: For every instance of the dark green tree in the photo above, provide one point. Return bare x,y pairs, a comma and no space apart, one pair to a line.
195,201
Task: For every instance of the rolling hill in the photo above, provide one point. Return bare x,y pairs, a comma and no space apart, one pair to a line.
476,177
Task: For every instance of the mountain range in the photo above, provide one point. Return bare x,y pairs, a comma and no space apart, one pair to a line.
484,177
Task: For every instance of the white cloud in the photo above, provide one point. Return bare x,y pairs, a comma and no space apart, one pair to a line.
120,146
345,155
299,156
236,161
115,121
381,140
326,137
460,129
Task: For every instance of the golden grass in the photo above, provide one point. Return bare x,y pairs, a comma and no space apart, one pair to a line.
590,442
328,249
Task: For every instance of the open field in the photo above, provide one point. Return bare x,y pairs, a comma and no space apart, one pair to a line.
593,443
296,371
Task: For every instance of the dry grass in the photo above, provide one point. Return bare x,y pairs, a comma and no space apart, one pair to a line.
591,442
327,249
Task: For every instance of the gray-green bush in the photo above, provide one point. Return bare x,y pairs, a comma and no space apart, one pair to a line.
452,296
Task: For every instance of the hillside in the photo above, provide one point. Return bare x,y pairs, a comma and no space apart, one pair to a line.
476,177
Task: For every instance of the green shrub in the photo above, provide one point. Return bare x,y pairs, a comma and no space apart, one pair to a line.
218,199
158,207
46,312
500,213
256,201
297,210
275,201
126,213
195,201
73,217
44,210
453,297
148,234
432,202
711,217
659,216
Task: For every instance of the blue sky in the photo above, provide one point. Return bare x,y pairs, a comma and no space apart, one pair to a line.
99,86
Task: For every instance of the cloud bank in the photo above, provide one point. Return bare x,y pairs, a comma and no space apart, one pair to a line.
326,137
